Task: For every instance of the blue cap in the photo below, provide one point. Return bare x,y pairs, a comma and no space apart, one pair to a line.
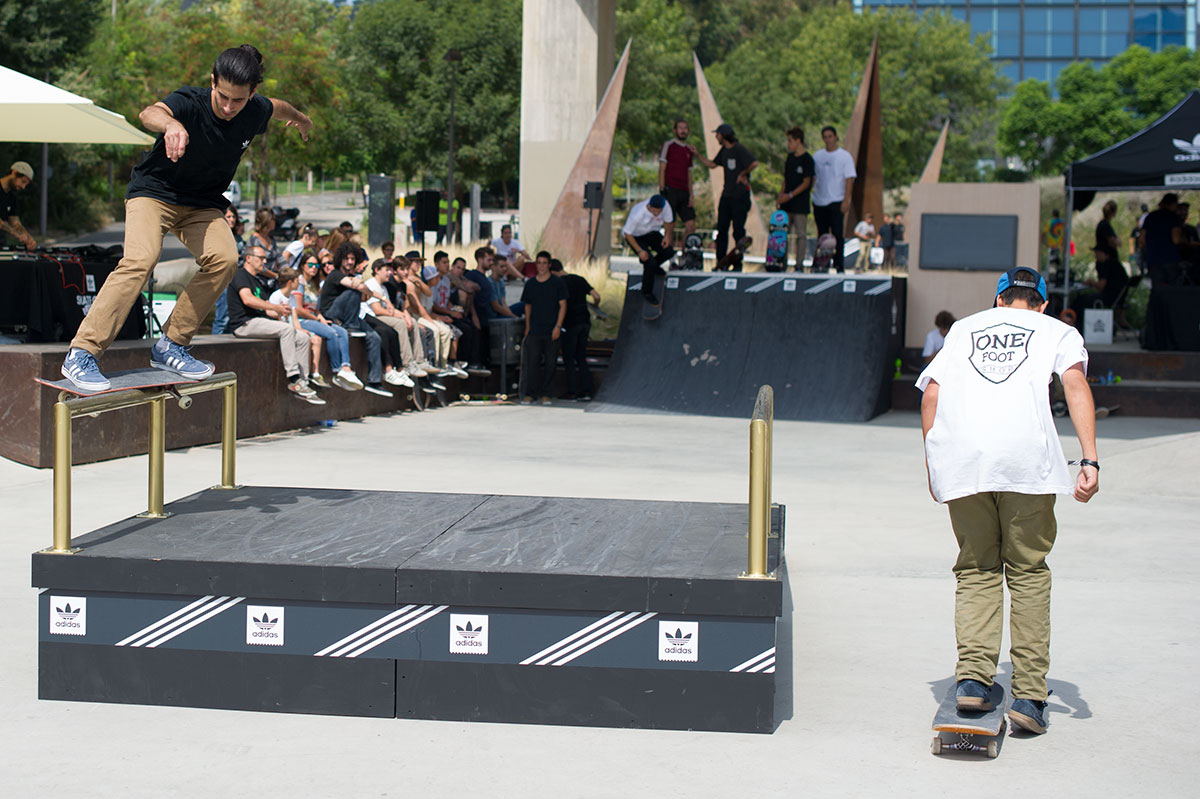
1024,277
658,201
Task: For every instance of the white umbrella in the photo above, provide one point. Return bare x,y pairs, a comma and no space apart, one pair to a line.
33,111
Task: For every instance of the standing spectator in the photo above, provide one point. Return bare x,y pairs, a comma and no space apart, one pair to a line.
887,242
577,326
832,190
899,255
1106,235
648,230
444,219
19,176
1161,241
252,316
513,251
993,457
675,175
220,323
340,302
1052,238
487,305
864,231
798,172
734,205
545,298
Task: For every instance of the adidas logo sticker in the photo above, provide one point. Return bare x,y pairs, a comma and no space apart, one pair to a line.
264,625
468,634
679,641
68,615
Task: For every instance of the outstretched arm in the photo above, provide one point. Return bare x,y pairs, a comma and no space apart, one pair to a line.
929,401
1083,417
291,117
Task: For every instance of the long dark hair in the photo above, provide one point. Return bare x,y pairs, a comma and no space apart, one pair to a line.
241,66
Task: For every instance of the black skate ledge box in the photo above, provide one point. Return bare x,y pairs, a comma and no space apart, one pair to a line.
597,612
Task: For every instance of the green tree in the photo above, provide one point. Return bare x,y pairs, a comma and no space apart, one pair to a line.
1095,108
807,70
43,37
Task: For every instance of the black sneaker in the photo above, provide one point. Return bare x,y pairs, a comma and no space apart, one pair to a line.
1029,715
971,695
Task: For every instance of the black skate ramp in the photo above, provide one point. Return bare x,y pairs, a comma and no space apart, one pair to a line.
827,344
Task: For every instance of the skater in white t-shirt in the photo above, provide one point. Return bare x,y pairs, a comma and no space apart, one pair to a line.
993,456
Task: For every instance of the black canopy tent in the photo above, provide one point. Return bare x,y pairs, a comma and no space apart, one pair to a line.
1164,155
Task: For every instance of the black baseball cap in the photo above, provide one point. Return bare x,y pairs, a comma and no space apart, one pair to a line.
726,130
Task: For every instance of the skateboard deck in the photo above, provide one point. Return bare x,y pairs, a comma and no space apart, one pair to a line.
651,312
964,731
734,256
125,380
777,242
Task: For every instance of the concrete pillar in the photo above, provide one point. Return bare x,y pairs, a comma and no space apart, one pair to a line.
567,58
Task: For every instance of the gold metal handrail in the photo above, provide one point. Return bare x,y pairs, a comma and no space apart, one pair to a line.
67,409
761,424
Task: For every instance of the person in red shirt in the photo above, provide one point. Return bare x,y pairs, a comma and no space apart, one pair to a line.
675,175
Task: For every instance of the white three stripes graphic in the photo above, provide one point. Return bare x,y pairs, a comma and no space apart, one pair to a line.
587,639
385,629
180,621
763,662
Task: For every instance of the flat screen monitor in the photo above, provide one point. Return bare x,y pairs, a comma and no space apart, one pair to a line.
974,242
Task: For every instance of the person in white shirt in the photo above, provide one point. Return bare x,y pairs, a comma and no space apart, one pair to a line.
936,339
864,231
832,188
993,456
648,230
513,251
293,252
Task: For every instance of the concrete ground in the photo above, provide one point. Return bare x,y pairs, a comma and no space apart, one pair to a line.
869,628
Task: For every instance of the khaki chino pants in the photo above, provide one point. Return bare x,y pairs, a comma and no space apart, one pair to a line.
1003,537
294,345
207,237
411,349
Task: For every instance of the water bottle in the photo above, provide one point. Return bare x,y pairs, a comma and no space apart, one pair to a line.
329,423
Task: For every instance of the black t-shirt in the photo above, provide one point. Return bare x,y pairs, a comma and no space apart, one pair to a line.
897,233
1104,236
887,235
331,289
397,291
8,209
541,303
239,314
578,290
1160,249
1114,277
795,170
734,161
211,157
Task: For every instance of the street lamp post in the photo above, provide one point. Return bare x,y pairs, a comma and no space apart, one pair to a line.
453,57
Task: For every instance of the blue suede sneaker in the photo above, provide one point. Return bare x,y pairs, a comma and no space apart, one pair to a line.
172,357
80,368
971,695
1029,715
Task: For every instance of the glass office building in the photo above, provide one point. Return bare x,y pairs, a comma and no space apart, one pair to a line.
1037,38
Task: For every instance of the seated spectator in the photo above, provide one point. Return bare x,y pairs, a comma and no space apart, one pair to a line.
936,339
295,250
502,271
251,316
403,296
264,223
513,251
305,298
420,305
220,323
403,327
577,327
446,307
1103,292
545,298
340,302
388,248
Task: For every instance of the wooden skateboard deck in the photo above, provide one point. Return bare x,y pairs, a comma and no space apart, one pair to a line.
122,381
958,731
734,256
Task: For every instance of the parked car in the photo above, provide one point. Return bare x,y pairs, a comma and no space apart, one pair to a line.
234,194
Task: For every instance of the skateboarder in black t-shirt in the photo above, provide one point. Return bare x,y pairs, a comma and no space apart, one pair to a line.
202,133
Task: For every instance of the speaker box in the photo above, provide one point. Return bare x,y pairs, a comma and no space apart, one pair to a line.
593,194
427,209
381,209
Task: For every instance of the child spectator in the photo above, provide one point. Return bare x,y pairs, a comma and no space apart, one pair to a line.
935,339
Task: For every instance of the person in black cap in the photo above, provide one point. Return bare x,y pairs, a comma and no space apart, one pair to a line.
993,457
648,230
734,206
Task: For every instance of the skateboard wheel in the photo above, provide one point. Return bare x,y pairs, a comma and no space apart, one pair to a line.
993,748
936,746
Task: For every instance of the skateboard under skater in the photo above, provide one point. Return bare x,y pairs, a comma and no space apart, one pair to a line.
125,380
963,731
733,259
651,311
777,242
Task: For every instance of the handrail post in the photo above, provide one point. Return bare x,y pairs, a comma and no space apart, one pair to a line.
62,478
156,452
760,484
228,436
